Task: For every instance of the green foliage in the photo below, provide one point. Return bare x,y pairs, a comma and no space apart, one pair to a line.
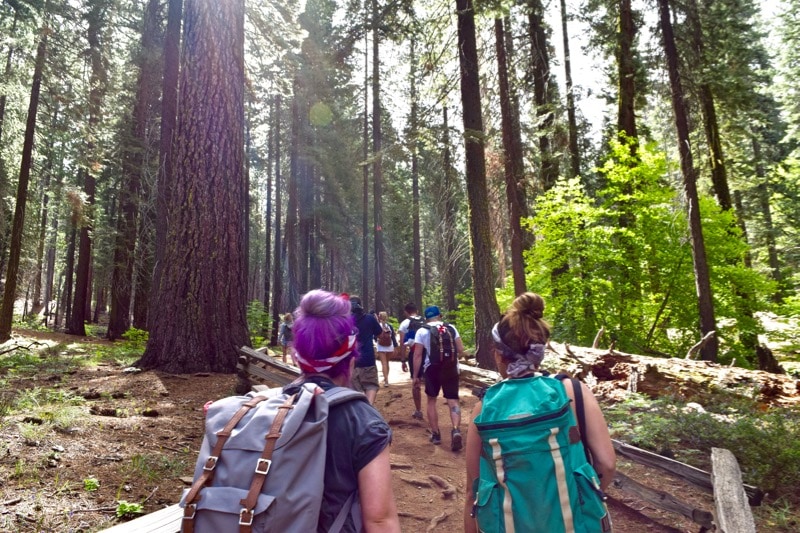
91,484
126,509
624,262
765,443
464,319
258,322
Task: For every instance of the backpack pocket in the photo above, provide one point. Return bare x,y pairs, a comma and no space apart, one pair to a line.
218,509
591,498
488,506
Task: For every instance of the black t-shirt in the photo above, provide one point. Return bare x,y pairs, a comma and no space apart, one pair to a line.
357,434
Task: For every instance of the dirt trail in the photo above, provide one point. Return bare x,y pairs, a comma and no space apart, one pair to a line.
141,458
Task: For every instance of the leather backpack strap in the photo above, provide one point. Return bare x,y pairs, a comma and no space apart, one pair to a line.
211,463
248,504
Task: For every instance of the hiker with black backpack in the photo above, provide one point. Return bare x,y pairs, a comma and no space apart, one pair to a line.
437,348
406,332
313,456
539,455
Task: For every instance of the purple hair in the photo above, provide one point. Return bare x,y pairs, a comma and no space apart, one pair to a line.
322,322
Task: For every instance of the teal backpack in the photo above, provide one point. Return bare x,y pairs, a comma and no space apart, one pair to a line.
534,471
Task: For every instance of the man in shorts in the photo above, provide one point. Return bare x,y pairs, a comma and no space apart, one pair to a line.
405,339
438,378
365,373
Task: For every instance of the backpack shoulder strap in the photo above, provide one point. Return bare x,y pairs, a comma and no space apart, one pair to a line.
580,411
340,395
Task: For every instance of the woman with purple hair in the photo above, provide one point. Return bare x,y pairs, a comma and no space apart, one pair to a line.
358,437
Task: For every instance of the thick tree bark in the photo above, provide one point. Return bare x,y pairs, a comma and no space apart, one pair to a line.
377,170
701,268
10,289
169,113
277,270
486,311
200,320
572,122
512,163
541,80
135,169
626,69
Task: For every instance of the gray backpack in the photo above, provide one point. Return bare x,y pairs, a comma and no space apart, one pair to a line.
262,464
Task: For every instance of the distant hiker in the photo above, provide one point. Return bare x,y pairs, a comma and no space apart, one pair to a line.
387,344
531,438
365,374
437,347
406,332
286,336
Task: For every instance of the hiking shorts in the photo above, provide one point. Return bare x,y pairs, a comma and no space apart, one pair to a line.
445,379
365,378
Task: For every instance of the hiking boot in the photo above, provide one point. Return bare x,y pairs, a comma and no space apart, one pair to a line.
417,415
436,438
455,440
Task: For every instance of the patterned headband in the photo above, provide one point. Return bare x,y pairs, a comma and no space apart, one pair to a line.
314,366
522,362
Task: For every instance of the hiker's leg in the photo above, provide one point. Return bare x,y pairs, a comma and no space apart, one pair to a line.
416,393
433,416
385,366
455,413
369,381
284,352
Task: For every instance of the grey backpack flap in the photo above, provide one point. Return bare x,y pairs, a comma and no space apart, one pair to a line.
262,464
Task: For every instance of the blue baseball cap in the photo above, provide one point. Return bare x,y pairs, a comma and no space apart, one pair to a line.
431,312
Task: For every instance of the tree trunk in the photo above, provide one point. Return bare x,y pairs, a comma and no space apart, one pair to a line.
574,152
486,311
626,68
701,268
69,271
36,305
415,230
513,163
292,259
450,277
200,320
98,85
169,112
365,185
541,80
377,171
268,208
277,278
134,169
10,289
763,194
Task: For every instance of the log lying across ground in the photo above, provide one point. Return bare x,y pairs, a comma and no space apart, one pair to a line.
613,374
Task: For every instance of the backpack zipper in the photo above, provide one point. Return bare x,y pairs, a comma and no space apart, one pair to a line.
523,422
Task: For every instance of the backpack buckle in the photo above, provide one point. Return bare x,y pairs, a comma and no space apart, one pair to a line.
211,463
193,508
265,463
246,517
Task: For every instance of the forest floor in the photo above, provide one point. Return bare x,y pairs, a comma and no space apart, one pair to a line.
134,438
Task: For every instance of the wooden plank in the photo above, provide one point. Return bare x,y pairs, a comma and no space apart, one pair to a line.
265,374
167,520
733,513
663,500
690,474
